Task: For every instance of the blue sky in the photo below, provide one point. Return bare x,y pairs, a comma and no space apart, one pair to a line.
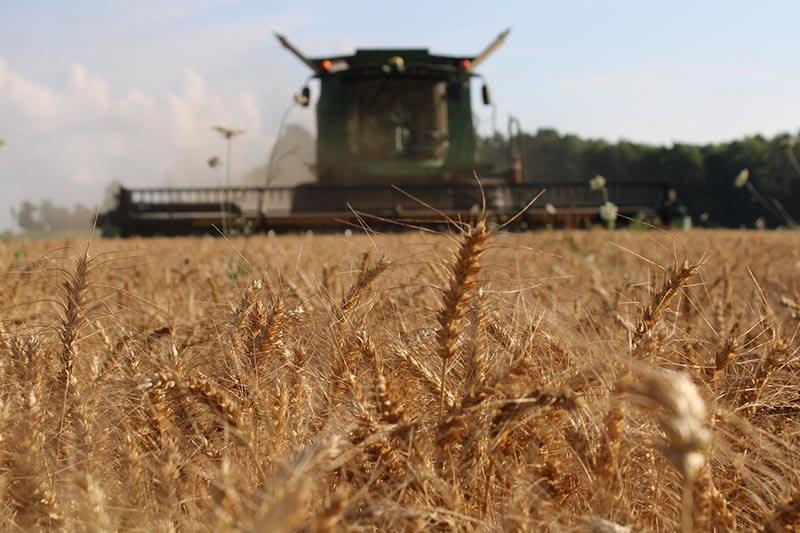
92,91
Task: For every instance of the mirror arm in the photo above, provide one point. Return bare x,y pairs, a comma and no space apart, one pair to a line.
489,50
296,52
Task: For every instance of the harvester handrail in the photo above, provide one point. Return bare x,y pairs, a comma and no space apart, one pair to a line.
464,186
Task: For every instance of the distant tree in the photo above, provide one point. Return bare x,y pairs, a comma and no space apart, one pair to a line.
82,216
26,218
48,216
53,216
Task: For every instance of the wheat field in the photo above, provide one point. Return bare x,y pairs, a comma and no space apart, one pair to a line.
470,381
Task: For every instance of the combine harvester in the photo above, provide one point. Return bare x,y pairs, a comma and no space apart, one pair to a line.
396,147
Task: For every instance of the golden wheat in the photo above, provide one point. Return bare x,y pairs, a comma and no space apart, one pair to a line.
477,381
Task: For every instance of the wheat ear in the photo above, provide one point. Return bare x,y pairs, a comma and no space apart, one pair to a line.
675,281
684,425
463,277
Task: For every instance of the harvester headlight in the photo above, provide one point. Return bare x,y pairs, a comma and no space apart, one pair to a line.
397,63
326,64
464,64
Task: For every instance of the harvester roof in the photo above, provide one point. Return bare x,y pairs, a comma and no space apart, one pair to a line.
379,61
384,61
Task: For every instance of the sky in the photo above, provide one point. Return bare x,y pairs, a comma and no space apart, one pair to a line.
95,91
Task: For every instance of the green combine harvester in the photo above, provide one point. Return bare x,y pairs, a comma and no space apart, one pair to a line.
396,147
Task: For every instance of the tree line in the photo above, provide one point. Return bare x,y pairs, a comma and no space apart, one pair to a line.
703,176
49,217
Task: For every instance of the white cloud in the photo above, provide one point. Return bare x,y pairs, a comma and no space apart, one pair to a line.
67,141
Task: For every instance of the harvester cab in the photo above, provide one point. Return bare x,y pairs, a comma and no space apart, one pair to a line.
395,116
